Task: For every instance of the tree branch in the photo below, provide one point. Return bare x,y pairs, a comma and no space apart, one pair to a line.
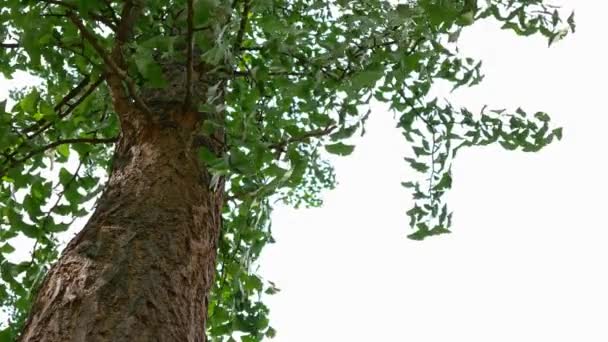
311,134
190,62
42,125
109,62
96,16
243,25
54,144
108,4
9,45
73,49
45,124
85,81
280,147
88,36
130,11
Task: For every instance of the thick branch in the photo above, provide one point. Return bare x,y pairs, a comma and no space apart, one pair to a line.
88,36
130,11
243,26
190,62
109,62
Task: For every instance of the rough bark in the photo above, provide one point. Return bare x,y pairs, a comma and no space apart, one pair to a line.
142,267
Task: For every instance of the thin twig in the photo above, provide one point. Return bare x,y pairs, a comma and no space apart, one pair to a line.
57,143
280,147
73,49
433,198
412,105
311,134
72,106
55,205
95,16
72,94
67,141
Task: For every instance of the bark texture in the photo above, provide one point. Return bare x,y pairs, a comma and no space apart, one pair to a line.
142,267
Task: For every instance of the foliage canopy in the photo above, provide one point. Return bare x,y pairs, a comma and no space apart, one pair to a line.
300,76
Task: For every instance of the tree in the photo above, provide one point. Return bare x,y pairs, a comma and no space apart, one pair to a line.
200,114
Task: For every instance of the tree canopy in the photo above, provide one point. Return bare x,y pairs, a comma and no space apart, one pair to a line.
299,77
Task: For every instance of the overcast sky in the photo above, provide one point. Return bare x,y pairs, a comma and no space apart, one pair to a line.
527,258
526,261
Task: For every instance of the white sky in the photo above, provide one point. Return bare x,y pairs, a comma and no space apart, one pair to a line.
527,257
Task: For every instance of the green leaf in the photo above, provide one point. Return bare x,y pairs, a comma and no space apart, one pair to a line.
7,248
366,79
416,165
6,335
30,102
438,230
467,18
558,133
508,146
408,184
445,182
149,68
542,116
345,132
203,10
64,150
340,149
30,231
270,332
64,176
571,22
404,11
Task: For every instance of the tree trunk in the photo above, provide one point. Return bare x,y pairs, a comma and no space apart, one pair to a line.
142,267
